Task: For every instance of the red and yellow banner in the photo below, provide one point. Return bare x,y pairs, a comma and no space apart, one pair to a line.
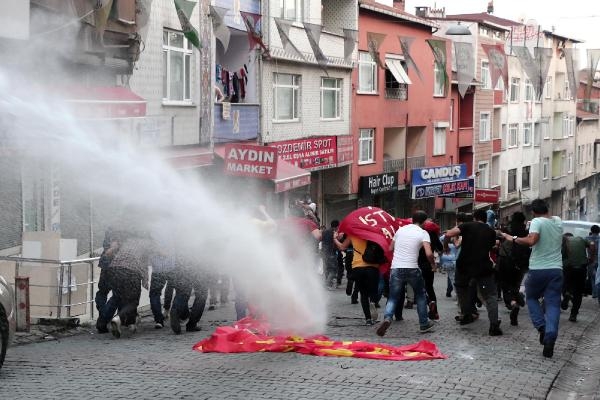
249,335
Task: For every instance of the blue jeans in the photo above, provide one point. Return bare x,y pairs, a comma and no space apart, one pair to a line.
546,283
400,277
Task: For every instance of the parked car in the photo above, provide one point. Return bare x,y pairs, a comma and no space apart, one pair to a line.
578,228
7,317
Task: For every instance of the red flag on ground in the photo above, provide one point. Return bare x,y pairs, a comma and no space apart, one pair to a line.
248,335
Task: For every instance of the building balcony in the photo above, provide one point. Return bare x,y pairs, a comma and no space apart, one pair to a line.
465,137
559,183
401,164
240,122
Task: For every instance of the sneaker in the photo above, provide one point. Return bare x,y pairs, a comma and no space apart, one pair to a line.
374,312
101,326
159,325
448,294
175,322
132,328
466,319
194,328
495,329
409,304
427,328
542,331
115,327
369,322
548,351
573,318
564,304
349,285
514,313
383,327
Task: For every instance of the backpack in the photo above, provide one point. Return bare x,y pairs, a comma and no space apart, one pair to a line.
373,253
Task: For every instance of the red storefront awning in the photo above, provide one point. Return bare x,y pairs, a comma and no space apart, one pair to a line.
184,157
103,102
288,176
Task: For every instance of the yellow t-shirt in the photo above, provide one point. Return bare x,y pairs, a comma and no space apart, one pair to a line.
359,246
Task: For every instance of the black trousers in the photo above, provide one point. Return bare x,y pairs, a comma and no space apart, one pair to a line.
428,276
574,285
126,285
510,283
486,290
184,285
367,280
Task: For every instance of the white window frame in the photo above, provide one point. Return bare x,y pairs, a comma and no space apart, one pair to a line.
545,168
439,89
486,77
528,91
296,5
570,163
451,119
295,86
439,140
483,167
527,137
566,90
528,169
337,98
366,61
513,135
485,132
580,154
571,131
566,124
545,131
508,179
366,137
187,65
515,87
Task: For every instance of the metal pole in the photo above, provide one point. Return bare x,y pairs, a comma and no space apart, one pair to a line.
69,270
91,271
60,286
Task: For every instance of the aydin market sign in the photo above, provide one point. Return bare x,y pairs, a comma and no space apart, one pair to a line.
439,181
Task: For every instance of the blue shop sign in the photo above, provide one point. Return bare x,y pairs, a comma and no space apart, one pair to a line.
443,189
431,175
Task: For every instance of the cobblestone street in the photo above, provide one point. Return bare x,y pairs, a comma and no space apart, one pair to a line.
157,364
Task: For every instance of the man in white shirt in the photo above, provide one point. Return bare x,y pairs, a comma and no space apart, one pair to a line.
406,245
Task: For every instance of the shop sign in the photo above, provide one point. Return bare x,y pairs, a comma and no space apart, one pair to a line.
250,161
313,154
439,181
487,195
377,184
345,150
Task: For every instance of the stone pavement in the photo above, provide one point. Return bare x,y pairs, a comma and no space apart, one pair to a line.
155,364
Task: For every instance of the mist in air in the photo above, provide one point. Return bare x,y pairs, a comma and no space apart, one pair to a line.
212,233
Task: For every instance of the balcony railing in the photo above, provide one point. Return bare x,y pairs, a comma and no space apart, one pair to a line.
400,164
240,122
400,93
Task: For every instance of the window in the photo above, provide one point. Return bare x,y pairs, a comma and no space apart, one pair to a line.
512,180
527,127
570,163
291,9
331,91
395,89
484,175
548,87
546,130
571,131
439,86
528,90
568,125
486,79
526,177
177,56
580,154
367,73
366,145
513,135
545,167
484,126
439,141
567,90
514,90
286,89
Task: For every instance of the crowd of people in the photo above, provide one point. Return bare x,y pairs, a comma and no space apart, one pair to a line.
485,265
